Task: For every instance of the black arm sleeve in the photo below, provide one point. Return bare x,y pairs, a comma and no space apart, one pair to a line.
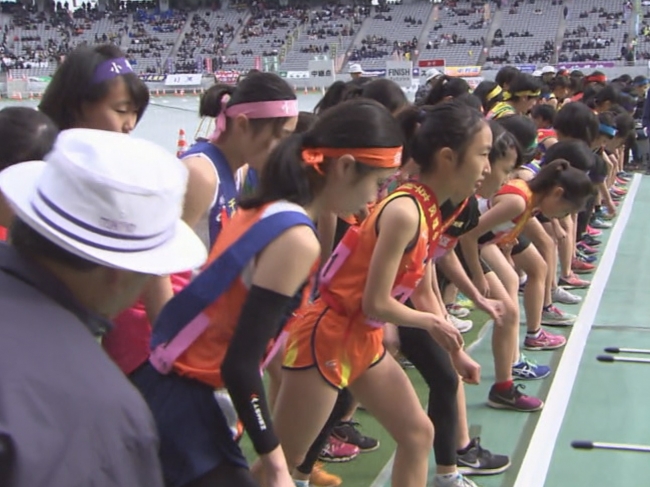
263,313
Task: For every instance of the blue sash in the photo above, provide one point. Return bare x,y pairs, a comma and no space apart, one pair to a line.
179,322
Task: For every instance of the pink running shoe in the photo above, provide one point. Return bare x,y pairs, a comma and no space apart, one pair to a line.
338,452
593,232
545,341
573,282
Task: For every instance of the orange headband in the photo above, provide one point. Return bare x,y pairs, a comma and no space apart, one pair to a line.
387,157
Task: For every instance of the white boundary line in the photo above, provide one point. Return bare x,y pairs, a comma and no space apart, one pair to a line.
537,460
384,475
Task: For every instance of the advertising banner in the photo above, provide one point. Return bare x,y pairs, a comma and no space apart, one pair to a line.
463,71
153,78
431,63
321,73
183,80
228,77
294,74
401,72
586,66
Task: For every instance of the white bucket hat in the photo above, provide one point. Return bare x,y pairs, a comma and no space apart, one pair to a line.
355,69
109,198
432,73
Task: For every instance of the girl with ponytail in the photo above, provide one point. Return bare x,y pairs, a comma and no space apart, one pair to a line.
209,341
336,342
556,191
522,93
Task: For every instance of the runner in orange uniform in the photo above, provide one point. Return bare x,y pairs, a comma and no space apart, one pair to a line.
555,192
211,339
336,342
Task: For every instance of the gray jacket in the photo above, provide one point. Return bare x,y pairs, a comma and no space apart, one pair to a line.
70,414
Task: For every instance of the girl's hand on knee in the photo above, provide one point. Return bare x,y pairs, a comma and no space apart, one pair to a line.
446,335
467,368
494,308
506,248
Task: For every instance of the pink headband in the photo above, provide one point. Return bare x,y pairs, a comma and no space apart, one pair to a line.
258,109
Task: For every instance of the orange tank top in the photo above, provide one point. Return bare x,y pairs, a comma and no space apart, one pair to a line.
543,134
509,231
343,279
203,358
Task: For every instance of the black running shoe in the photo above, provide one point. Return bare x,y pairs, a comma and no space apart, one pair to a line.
479,461
591,241
347,432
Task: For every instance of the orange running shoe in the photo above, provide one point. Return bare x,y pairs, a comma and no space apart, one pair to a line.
321,478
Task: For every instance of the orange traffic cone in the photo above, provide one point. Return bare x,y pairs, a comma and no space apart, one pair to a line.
182,143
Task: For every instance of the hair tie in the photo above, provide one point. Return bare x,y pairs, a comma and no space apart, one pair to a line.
314,158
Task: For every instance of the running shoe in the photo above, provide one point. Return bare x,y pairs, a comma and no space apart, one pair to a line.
581,267
606,215
554,316
591,241
593,231
573,282
346,431
462,326
561,295
600,223
514,400
336,451
465,302
476,460
545,341
457,310
586,249
458,481
621,182
321,478
528,369
589,259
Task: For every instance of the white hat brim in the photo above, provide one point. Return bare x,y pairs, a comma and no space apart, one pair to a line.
184,251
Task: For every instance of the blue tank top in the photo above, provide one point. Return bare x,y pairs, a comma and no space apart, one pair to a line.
226,201
534,167
250,183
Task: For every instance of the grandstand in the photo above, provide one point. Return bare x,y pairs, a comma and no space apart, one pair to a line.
330,31
242,37
206,37
527,35
597,32
457,34
391,31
